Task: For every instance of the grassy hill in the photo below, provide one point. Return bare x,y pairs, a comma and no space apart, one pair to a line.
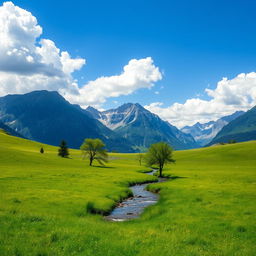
208,211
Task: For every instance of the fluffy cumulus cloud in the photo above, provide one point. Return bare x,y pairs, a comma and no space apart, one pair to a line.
229,96
29,62
136,74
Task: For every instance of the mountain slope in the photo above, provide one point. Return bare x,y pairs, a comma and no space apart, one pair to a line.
9,130
242,128
141,127
47,117
204,133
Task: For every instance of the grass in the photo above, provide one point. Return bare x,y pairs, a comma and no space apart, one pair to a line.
44,203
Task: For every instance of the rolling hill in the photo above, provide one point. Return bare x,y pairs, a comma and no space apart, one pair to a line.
207,207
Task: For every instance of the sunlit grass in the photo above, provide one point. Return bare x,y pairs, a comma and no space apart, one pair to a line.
209,210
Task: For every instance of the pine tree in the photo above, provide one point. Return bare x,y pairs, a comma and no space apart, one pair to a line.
63,149
41,150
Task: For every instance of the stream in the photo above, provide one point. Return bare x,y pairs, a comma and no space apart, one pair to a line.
132,207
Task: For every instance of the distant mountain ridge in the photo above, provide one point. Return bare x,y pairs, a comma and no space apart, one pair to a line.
141,127
204,133
48,118
243,128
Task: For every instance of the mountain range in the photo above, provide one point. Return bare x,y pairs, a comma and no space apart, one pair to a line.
141,127
243,128
204,133
48,118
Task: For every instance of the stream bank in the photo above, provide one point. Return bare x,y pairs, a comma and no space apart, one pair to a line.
131,208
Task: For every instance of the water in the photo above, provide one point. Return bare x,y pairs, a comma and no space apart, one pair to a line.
131,208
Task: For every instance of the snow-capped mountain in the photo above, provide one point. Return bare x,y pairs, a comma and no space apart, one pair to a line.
204,133
48,118
242,128
141,127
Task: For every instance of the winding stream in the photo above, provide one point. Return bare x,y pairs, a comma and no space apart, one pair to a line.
132,207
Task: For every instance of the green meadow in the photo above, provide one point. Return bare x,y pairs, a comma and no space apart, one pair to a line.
207,208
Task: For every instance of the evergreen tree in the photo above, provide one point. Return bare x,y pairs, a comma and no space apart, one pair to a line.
63,149
41,150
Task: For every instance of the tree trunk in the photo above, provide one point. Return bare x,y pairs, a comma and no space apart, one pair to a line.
160,171
91,159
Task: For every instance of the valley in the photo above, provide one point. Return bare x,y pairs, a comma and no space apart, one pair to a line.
44,200
127,128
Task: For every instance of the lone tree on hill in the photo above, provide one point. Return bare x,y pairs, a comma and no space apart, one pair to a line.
42,150
159,154
140,157
63,149
94,149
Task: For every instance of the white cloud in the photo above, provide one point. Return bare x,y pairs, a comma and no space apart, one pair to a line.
239,91
136,74
29,62
26,65
229,96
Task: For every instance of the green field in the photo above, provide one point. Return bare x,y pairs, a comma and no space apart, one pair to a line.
209,210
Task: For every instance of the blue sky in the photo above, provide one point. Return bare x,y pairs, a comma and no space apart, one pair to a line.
193,43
